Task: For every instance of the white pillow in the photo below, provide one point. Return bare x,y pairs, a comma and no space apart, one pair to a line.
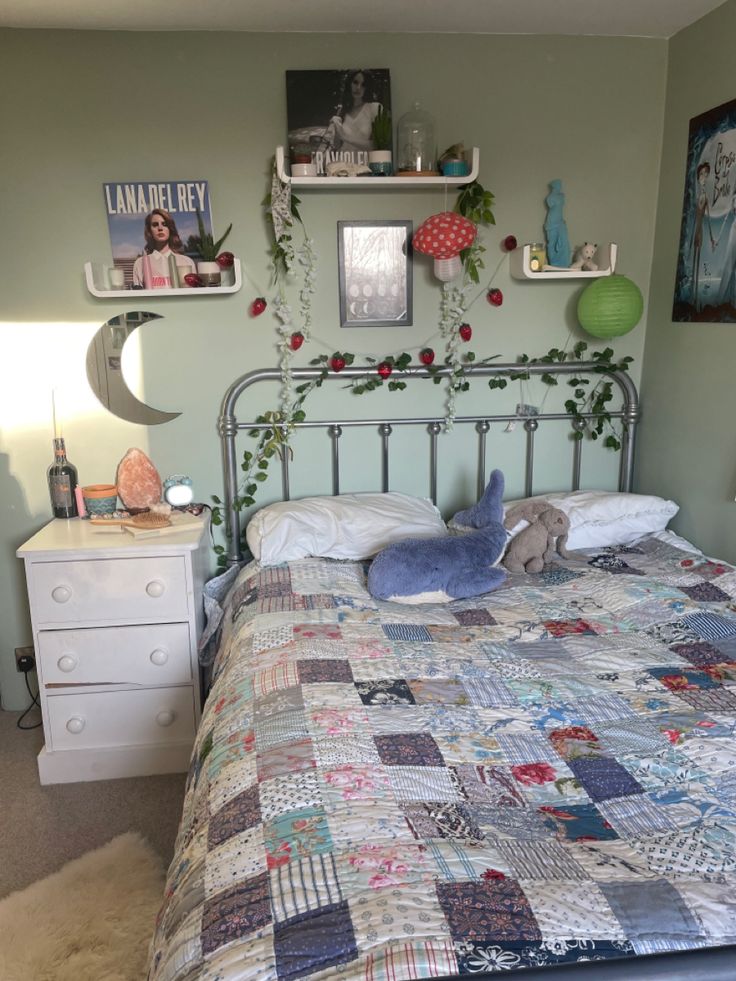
600,518
351,526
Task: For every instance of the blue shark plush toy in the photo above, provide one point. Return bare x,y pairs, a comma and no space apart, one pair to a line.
438,570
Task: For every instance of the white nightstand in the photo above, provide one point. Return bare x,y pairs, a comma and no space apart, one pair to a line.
115,628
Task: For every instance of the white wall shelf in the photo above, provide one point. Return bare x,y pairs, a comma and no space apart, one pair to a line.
94,274
376,183
520,268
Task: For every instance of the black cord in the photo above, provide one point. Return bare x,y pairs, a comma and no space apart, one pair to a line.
34,701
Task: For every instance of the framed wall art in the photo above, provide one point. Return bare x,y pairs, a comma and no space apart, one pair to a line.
705,284
375,273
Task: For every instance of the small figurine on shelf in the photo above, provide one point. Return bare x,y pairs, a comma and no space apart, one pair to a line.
555,229
343,168
585,258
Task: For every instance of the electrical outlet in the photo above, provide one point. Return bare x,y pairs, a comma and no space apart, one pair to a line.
20,654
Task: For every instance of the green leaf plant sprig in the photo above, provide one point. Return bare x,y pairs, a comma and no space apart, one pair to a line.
275,427
588,400
208,247
382,130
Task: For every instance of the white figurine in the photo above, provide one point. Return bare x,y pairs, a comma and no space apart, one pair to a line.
584,258
343,168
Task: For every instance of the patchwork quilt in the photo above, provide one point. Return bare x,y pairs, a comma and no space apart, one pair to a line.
543,774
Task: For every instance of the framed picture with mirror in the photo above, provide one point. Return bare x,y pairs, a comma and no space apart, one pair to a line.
375,273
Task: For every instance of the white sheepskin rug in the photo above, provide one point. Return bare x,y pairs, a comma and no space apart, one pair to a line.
90,921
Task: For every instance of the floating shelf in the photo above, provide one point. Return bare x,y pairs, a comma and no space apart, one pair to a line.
520,269
94,274
282,169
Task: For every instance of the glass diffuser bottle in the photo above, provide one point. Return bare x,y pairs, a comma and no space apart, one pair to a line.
417,146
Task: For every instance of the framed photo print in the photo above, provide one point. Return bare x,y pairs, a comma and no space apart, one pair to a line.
705,285
330,113
375,273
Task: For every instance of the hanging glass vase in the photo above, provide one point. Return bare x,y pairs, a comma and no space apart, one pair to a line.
417,147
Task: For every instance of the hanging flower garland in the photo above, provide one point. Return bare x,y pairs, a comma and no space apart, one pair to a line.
283,211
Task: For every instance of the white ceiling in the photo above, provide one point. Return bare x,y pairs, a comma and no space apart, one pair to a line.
622,18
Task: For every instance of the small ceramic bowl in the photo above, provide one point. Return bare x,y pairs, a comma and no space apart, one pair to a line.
303,170
455,168
100,499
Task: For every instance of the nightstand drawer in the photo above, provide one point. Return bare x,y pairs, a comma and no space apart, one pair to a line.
121,718
110,589
147,655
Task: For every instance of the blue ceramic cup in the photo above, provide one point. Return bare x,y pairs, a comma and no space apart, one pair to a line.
455,168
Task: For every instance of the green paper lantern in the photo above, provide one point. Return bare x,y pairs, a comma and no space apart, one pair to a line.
610,306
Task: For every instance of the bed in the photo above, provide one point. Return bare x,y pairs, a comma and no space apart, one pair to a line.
530,779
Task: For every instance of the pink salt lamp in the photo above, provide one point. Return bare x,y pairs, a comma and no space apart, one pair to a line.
138,481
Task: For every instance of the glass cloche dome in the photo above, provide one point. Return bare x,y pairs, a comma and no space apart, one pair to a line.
416,142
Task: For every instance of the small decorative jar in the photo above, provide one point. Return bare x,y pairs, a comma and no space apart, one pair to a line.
537,257
417,147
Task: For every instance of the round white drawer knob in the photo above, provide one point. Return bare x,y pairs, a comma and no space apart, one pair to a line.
165,718
61,594
155,588
66,663
159,656
75,724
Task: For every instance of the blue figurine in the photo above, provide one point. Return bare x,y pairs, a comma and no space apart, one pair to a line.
555,229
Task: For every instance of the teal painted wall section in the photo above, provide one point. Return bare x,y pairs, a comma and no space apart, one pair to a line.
687,447
79,109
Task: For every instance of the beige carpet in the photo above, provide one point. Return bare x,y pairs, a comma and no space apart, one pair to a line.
42,828
90,921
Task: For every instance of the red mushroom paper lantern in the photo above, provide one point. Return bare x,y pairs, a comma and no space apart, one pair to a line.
444,236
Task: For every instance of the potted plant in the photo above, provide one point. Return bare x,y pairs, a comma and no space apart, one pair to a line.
208,267
380,158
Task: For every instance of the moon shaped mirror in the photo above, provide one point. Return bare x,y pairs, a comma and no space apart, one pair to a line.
105,371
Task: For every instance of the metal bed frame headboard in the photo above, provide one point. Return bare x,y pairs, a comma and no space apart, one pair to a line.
229,426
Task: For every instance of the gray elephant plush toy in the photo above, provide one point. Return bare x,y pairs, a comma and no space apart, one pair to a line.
535,545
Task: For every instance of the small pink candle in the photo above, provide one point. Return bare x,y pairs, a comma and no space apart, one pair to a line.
81,509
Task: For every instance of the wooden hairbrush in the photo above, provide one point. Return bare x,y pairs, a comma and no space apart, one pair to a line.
148,519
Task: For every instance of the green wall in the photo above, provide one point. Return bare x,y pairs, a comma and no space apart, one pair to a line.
81,108
688,450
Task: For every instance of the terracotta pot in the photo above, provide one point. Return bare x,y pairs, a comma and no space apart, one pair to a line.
100,498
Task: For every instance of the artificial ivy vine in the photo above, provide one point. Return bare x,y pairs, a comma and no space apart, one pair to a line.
290,259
